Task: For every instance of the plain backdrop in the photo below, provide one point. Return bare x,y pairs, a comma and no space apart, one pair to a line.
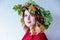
10,25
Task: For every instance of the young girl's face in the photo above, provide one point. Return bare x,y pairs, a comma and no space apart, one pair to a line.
29,19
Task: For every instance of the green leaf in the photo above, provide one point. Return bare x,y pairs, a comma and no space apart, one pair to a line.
29,1
47,17
18,8
15,7
33,12
19,12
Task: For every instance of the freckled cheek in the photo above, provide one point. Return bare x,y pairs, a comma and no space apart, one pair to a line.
33,20
25,19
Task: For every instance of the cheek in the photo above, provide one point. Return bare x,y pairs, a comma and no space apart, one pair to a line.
25,19
33,20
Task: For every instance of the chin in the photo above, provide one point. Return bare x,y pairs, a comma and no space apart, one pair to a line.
28,25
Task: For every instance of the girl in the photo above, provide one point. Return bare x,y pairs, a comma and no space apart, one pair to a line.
35,20
33,25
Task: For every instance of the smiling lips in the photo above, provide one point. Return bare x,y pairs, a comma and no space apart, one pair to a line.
29,22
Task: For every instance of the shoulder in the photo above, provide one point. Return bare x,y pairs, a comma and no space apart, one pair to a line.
26,33
42,36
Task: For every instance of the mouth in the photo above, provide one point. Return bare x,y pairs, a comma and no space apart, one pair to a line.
29,22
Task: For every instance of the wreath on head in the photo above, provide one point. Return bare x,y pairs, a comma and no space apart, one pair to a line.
31,6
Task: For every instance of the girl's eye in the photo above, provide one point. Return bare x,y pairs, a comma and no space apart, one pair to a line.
32,14
25,15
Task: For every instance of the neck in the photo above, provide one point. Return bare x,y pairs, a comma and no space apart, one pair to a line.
30,28
32,31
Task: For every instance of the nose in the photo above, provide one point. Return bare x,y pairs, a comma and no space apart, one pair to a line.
29,17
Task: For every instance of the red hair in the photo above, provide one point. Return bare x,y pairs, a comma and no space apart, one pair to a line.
38,27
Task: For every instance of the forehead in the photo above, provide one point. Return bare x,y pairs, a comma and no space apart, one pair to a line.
27,12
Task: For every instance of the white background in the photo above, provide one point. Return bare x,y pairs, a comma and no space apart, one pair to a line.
10,26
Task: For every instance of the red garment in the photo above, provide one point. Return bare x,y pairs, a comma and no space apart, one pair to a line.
40,36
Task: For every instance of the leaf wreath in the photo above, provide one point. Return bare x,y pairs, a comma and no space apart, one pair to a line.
45,13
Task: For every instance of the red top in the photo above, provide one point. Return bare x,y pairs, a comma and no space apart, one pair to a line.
40,36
